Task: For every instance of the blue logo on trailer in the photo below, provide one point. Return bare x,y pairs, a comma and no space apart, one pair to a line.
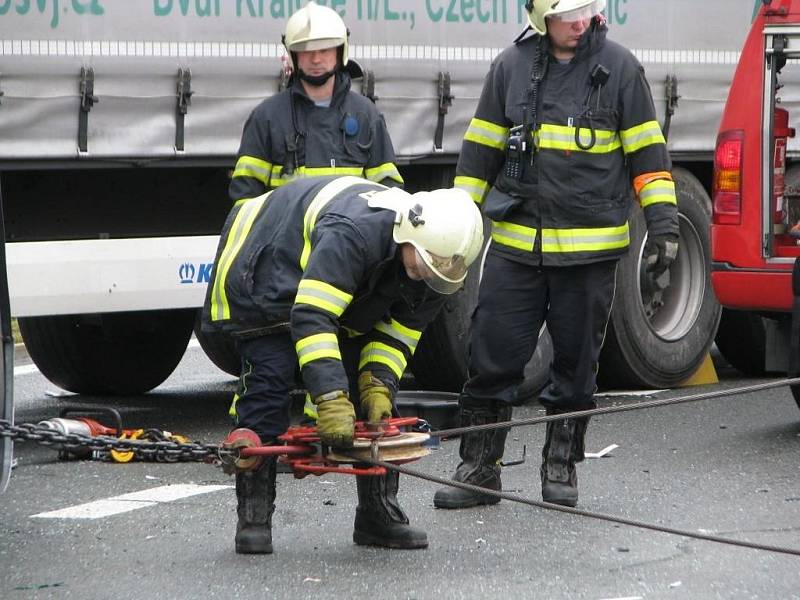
189,273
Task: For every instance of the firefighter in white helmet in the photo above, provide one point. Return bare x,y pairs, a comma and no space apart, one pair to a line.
339,276
556,173
317,126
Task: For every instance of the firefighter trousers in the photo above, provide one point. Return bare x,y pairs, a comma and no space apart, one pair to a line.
514,302
269,373
261,403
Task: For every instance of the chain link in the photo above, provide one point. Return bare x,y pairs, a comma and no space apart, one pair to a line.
160,451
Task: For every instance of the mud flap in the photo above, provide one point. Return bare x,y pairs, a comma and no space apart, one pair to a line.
6,361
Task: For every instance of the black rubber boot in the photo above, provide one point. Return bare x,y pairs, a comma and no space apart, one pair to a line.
379,519
563,447
255,493
480,453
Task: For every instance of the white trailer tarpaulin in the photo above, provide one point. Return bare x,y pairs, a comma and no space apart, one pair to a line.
232,48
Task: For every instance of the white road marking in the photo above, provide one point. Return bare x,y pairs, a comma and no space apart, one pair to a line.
128,502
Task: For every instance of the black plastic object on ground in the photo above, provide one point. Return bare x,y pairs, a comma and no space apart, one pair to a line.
439,409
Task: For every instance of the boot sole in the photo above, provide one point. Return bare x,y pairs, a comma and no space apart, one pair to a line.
367,540
571,502
468,504
252,549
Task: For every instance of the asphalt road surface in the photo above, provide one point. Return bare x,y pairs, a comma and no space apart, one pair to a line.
728,467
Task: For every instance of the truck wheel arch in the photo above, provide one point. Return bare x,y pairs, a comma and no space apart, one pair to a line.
219,348
125,353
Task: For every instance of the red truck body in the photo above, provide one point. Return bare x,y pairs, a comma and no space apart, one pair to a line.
755,198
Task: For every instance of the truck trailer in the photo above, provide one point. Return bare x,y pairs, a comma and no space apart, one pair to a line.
120,123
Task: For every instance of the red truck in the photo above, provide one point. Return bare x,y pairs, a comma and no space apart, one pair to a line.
755,231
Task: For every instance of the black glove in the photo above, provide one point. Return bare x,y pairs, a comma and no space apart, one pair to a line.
660,252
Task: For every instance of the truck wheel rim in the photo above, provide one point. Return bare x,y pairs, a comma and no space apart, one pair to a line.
672,313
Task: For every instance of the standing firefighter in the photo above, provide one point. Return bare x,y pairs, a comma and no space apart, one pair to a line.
340,276
317,126
565,129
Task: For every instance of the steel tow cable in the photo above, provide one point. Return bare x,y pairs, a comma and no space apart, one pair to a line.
615,409
585,513
579,512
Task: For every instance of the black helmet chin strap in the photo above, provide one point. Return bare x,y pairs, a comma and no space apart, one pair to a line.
317,80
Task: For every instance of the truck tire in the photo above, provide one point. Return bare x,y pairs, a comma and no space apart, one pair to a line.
440,361
659,339
741,339
219,348
123,354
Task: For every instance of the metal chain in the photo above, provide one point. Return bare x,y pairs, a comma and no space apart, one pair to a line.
616,409
175,451
164,451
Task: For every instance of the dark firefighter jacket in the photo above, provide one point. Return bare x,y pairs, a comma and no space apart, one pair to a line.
314,254
287,136
571,205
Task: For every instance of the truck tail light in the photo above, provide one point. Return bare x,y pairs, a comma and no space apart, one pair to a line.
726,191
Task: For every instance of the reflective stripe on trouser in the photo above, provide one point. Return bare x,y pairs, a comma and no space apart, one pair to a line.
268,374
513,303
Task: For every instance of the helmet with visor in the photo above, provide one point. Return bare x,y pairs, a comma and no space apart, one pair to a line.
445,229
567,11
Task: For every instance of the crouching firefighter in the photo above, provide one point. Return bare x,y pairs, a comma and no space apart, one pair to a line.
339,276
557,175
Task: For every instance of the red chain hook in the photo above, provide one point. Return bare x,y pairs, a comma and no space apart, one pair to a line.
300,453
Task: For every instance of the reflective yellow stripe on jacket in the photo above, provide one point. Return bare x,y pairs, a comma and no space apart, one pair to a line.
513,235
278,177
325,195
585,239
317,346
384,354
323,296
405,335
476,188
561,241
487,133
250,166
246,215
384,171
658,190
641,136
562,137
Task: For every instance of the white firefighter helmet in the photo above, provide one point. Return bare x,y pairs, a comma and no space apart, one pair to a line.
445,228
315,27
565,10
